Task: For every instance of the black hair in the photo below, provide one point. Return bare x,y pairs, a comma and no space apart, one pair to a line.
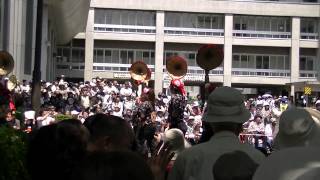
56,149
101,125
115,165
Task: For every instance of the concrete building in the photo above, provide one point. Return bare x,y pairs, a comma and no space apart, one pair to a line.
269,46
62,20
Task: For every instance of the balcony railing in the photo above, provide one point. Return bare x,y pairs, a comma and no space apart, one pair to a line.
193,31
309,36
308,74
261,34
124,28
260,72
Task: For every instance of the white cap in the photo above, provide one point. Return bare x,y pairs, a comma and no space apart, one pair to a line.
74,112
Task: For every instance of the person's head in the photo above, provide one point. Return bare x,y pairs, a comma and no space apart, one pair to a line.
226,110
266,106
297,128
235,165
108,133
56,149
177,87
118,165
258,119
10,116
175,138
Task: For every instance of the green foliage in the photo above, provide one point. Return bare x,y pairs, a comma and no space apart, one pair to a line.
13,150
61,117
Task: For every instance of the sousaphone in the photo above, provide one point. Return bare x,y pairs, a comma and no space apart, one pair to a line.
177,67
6,63
140,72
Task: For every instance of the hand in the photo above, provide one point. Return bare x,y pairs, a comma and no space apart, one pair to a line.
159,161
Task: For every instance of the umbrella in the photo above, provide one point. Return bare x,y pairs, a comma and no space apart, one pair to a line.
266,95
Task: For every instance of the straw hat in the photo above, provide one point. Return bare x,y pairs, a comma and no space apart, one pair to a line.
297,128
297,163
226,104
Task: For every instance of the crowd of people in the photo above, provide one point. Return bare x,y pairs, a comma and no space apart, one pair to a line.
106,130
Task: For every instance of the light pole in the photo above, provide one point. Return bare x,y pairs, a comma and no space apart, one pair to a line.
36,76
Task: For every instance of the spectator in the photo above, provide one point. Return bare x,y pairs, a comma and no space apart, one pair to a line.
297,128
56,149
108,133
226,113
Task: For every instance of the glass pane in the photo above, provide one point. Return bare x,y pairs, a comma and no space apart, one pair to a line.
99,57
281,24
108,14
152,58
236,61
265,62
287,62
138,56
132,18
75,55
251,63
99,16
107,56
281,62
260,24
310,64
81,56
130,57
236,23
251,23
115,17
115,56
125,17
259,62
244,61
207,22
303,63
124,57
146,57
273,62
66,55
274,24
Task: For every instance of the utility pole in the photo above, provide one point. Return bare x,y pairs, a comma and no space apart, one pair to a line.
36,76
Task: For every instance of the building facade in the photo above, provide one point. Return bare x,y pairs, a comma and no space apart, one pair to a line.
268,45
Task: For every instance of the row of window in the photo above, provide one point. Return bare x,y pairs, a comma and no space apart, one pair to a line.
122,56
202,21
260,23
192,20
125,17
67,54
253,61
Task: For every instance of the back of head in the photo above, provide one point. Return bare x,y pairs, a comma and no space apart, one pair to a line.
297,128
55,150
108,132
121,165
226,108
176,140
235,165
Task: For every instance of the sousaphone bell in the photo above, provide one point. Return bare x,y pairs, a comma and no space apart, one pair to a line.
140,72
6,63
177,67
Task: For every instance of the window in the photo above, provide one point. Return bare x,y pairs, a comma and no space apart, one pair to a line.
99,56
259,64
303,61
130,57
152,58
66,55
115,56
108,56
99,16
251,61
146,57
265,62
236,61
124,57
244,61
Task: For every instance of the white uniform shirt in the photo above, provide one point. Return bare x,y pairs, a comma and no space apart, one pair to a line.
126,91
196,162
